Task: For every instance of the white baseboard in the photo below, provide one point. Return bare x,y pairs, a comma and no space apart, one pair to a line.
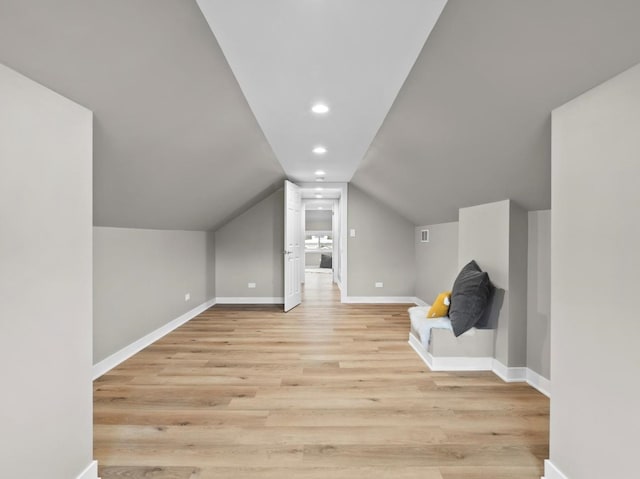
552,472
419,302
91,471
125,353
463,363
423,353
452,363
379,299
522,375
250,300
539,382
507,374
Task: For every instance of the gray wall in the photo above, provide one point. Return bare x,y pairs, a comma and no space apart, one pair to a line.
382,250
517,292
45,282
484,236
436,261
140,281
539,293
211,265
249,249
318,220
595,261
495,235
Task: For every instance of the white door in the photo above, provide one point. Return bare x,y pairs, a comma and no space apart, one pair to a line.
292,246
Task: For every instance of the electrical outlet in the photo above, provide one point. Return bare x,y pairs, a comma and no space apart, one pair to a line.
352,232
379,284
251,285
187,296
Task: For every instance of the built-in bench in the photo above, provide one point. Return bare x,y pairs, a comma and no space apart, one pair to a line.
436,344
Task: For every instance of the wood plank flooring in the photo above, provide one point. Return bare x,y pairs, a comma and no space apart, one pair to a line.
327,390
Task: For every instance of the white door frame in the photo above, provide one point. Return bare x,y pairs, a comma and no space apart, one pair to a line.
342,227
303,222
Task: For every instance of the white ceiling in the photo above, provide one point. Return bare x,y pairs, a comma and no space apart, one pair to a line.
352,55
319,197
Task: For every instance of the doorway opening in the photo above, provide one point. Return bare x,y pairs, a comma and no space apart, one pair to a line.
322,240
318,245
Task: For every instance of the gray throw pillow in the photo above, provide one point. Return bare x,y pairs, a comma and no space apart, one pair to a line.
469,298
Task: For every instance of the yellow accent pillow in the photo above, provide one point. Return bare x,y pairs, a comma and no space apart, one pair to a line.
440,306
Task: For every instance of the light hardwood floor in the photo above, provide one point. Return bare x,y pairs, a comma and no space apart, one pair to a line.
327,390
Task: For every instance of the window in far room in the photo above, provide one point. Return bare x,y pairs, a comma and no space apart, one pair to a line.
320,241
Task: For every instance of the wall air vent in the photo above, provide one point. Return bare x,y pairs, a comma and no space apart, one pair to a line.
424,236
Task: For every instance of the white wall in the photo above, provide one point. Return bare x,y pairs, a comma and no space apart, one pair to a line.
595,259
539,293
249,250
436,261
383,249
45,282
140,281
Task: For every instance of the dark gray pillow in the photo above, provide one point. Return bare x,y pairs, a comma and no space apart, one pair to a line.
469,298
483,322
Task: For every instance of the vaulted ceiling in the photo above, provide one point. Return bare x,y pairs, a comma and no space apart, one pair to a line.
351,56
177,146
472,123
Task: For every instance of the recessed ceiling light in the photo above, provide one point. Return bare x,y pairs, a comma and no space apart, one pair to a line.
320,173
320,108
319,188
319,150
319,207
318,196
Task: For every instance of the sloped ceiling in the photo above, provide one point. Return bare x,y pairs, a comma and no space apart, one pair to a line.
472,122
351,55
175,143
177,146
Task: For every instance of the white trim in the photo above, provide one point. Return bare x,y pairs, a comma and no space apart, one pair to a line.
419,302
343,218
552,472
379,299
522,375
423,353
450,363
125,353
250,300
510,375
90,472
539,382
479,363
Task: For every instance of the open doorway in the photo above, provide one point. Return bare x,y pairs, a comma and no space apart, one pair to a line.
322,233
318,243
